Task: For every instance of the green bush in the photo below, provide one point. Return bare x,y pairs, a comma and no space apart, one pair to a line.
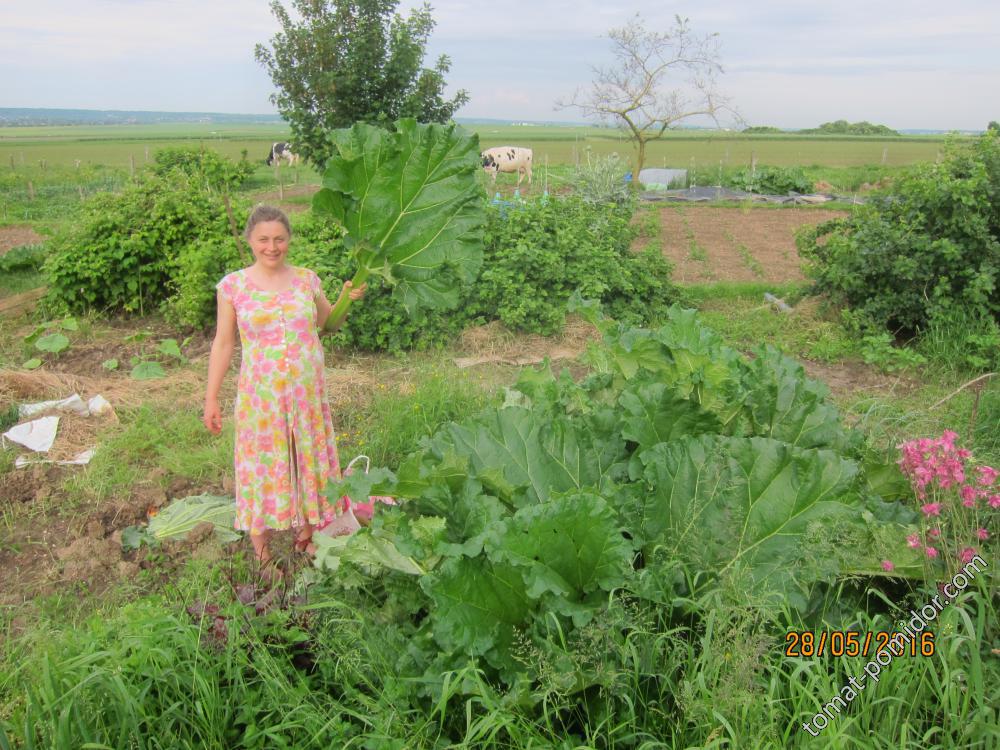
23,258
904,261
218,172
121,254
535,256
164,243
538,254
198,268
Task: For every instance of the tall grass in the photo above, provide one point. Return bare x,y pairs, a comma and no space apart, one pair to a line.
396,418
153,436
700,673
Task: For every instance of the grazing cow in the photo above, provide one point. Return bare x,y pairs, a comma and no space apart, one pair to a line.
282,150
508,159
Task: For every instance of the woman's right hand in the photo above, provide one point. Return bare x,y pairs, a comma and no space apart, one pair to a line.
212,416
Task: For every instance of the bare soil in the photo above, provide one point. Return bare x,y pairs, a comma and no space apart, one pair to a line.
708,243
16,236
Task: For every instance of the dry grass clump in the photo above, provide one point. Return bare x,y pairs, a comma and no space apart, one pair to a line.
181,388
493,343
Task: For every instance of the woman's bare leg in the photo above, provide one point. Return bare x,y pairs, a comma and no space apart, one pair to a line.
261,547
303,538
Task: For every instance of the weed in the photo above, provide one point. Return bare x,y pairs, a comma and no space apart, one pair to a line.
697,252
395,420
750,261
879,350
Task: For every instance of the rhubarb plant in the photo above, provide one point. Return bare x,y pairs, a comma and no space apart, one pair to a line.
674,452
411,206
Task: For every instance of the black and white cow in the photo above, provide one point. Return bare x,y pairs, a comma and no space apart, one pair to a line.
282,150
508,159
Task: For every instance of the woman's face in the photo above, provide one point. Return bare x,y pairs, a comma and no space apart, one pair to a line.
269,242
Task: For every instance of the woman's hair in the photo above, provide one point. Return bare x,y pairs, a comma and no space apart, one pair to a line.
266,213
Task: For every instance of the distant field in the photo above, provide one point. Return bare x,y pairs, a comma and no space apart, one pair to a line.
684,149
113,145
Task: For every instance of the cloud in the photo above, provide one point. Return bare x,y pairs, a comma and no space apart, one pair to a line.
51,32
916,63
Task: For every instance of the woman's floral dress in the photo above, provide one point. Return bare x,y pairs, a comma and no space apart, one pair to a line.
285,442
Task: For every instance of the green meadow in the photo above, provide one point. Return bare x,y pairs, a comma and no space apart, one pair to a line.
119,145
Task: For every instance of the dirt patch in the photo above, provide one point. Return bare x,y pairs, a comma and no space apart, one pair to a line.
493,343
856,379
16,236
707,243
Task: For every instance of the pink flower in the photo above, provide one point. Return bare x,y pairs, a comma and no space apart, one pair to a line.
931,509
934,533
987,475
971,503
968,493
931,552
983,534
913,541
995,501
967,554
887,566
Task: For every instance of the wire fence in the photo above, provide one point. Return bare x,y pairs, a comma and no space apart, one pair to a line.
28,202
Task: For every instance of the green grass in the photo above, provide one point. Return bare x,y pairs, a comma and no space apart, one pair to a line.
115,145
16,282
395,420
699,672
152,437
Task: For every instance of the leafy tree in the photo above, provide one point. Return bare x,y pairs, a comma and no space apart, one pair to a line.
346,61
843,127
658,80
994,126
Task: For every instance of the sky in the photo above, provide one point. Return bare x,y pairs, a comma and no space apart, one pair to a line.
912,64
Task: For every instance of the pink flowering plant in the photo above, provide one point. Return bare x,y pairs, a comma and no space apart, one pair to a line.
959,502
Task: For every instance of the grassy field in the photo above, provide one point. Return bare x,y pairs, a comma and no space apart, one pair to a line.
114,145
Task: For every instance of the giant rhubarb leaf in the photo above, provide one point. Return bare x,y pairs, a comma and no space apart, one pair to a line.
656,413
567,549
750,506
412,208
522,457
480,605
788,406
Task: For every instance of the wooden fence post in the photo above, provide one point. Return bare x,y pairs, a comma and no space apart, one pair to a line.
277,176
31,191
131,165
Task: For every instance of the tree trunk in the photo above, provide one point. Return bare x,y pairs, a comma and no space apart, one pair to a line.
640,159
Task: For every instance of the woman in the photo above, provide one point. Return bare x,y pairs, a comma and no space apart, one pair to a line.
285,441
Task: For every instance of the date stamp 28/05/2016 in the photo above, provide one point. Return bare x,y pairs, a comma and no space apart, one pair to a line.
810,643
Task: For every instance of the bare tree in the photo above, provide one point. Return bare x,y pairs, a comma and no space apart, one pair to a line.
658,80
